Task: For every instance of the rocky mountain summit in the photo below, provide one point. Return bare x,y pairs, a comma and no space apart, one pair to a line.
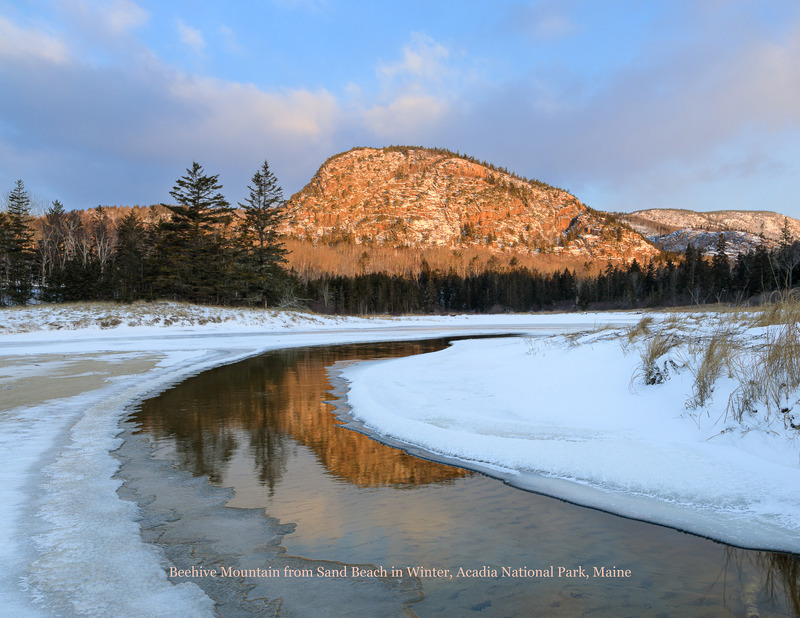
672,229
420,197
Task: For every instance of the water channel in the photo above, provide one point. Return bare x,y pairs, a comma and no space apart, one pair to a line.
246,467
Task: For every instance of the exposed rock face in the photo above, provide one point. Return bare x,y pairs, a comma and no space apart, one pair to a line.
418,197
672,229
756,222
736,242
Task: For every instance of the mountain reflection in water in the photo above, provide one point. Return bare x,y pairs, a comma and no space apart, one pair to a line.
267,400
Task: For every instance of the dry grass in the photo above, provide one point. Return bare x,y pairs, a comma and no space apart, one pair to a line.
655,369
769,378
780,310
78,315
715,354
764,363
640,329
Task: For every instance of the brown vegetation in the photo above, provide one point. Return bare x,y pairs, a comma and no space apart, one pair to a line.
311,261
764,363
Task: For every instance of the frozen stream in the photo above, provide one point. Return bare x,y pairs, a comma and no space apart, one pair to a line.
337,500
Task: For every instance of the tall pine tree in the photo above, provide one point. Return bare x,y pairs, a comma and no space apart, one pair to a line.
720,267
130,252
262,253
194,254
16,247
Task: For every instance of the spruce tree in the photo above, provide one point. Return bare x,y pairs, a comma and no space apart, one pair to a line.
194,250
16,248
720,266
129,263
5,238
262,253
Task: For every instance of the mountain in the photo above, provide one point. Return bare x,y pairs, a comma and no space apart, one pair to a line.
421,197
672,229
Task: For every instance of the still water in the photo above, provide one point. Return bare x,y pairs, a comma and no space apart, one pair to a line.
263,428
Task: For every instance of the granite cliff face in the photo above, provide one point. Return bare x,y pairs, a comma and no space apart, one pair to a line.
419,197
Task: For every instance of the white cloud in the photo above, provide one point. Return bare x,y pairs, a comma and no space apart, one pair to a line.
103,21
21,43
670,120
124,15
544,20
111,123
416,93
191,37
406,118
231,43
422,59
232,112
771,79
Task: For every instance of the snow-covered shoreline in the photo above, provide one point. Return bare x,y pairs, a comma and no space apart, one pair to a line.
73,544
564,422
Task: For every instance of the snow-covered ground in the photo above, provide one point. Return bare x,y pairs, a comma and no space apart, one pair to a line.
573,418
71,545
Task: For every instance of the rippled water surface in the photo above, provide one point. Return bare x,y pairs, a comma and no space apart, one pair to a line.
263,428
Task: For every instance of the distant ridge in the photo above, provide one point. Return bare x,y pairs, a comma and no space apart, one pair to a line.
764,223
672,228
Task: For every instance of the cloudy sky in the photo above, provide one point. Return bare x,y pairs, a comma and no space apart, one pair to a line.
627,104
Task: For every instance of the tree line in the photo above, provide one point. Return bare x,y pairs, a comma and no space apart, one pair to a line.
201,249
688,279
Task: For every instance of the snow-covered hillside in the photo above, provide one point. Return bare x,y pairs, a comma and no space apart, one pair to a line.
706,242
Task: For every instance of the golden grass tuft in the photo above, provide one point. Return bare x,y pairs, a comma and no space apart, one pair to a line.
782,309
769,377
715,353
765,366
640,329
655,348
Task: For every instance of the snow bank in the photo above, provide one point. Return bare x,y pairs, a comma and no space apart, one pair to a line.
567,420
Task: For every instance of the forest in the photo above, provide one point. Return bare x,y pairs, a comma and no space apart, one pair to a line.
203,250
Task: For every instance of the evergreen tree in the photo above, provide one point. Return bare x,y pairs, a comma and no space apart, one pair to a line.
194,252
5,243
786,233
129,262
763,272
262,253
16,248
720,267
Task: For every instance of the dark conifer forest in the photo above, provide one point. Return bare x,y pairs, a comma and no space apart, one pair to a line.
202,249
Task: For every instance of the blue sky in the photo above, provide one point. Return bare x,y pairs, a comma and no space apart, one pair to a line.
629,105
